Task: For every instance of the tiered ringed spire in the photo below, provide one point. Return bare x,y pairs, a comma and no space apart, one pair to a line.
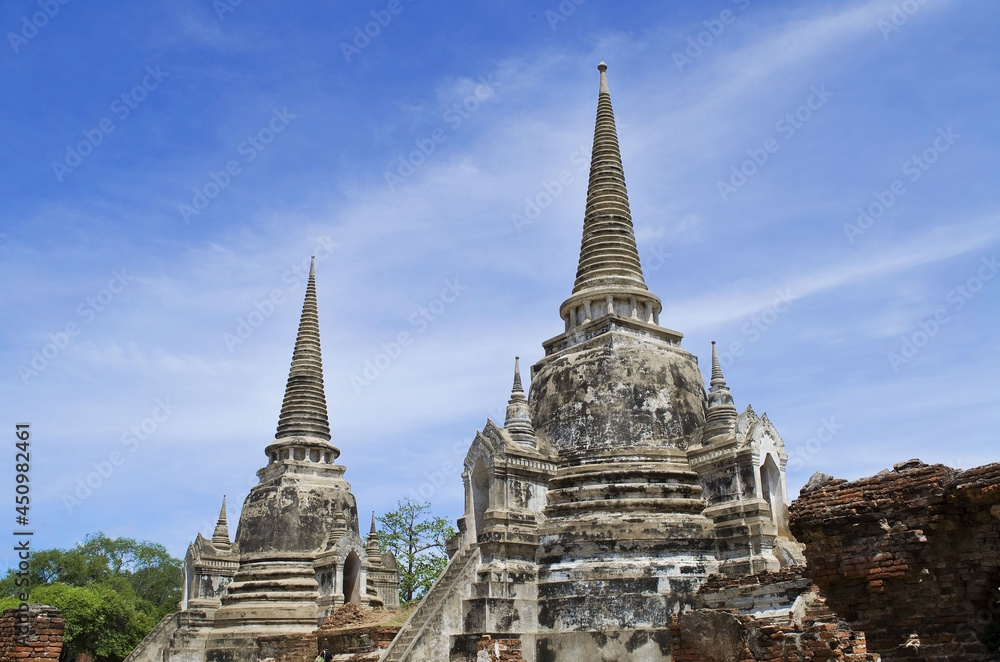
608,254
721,411
609,276
303,410
518,420
220,537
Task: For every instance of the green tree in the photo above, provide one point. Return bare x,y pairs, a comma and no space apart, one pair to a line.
151,571
111,591
418,542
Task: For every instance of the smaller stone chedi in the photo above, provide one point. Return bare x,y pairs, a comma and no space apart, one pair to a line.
298,552
616,486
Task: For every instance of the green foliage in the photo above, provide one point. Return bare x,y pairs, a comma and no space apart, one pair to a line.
418,542
100,618
111,591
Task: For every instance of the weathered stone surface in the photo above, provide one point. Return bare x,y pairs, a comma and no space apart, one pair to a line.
716,635
616,393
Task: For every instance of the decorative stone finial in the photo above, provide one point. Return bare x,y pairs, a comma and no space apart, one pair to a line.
604,79
609,277
339,520
303,410
518,421
373,547
721,413
220,537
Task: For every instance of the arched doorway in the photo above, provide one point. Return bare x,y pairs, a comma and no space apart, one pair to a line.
352,575
480,495
770,487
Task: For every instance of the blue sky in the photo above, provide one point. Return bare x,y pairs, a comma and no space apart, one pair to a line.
167,169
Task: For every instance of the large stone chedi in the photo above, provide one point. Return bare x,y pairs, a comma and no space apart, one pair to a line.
617,486
298,552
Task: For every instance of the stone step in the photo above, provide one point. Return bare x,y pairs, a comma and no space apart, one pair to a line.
429,606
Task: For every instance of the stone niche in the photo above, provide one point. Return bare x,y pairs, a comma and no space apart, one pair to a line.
208,571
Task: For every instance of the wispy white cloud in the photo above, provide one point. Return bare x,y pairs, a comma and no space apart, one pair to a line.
742,301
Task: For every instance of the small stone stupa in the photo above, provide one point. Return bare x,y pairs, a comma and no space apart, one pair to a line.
298,552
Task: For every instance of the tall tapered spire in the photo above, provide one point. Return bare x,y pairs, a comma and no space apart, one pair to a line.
220,538
721,413
608,255
518,421
609,277
303,411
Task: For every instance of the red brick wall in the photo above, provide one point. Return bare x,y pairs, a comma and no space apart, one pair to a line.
44,641
911,557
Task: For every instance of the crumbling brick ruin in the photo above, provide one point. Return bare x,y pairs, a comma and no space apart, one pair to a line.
768,616
46,629
910,556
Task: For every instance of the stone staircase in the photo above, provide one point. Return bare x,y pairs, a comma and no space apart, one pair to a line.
430,605
179,637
